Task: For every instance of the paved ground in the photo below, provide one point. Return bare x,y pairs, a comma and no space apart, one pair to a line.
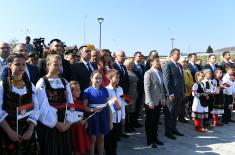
219,140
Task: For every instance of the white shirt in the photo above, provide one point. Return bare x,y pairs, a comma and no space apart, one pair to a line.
120,114
86,63
1,62
158,76
212,85
33,117
27,72
48,114
229,90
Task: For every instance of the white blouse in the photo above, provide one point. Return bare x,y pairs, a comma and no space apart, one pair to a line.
48,114
120,114
33,117
230,89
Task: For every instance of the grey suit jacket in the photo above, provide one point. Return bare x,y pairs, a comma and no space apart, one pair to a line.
173,80
154,90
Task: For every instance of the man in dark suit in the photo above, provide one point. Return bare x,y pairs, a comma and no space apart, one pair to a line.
118,65
211,64
193,67
31,72
82,70
56,47
124,79
139,70
175,89
226,60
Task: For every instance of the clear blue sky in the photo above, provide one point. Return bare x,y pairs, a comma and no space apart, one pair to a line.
129,25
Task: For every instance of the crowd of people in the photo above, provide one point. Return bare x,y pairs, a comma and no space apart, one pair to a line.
106,94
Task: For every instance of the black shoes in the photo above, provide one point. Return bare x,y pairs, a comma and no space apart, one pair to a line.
231,120
170,136
138,125
178,133
158,142
122,135
152,145
183,120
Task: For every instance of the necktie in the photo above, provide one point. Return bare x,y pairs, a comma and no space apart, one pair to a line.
177,65
122,68
89,67
140,69
195,68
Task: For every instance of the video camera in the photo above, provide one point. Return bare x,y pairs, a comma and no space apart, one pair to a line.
38,44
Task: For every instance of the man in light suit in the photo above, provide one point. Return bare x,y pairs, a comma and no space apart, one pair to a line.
175,89
154,98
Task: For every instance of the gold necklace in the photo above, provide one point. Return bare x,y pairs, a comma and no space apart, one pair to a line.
18,83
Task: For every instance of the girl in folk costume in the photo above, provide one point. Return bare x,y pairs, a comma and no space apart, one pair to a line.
199,107
94,99
81,140
54,94
209,88
118,116
19,110
218,104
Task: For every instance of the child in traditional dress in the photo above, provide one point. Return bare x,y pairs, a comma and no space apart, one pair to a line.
118,116
210,90
218,105
199,107
94,99
54,94
17,93
228,92
81,141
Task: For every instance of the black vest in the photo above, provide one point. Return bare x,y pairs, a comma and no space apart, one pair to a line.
56,98
12,100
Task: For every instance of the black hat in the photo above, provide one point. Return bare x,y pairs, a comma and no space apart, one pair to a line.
70,51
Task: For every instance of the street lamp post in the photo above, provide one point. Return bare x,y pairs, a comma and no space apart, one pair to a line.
172,43
100,20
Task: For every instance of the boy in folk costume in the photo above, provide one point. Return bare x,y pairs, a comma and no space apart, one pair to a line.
54,94
17,126
228,94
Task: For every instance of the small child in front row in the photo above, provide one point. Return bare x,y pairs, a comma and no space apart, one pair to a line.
94,99
80,138
209,89
199,107
118,116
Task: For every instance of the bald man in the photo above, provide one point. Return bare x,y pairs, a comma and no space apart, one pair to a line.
32,72
4,53
118,65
